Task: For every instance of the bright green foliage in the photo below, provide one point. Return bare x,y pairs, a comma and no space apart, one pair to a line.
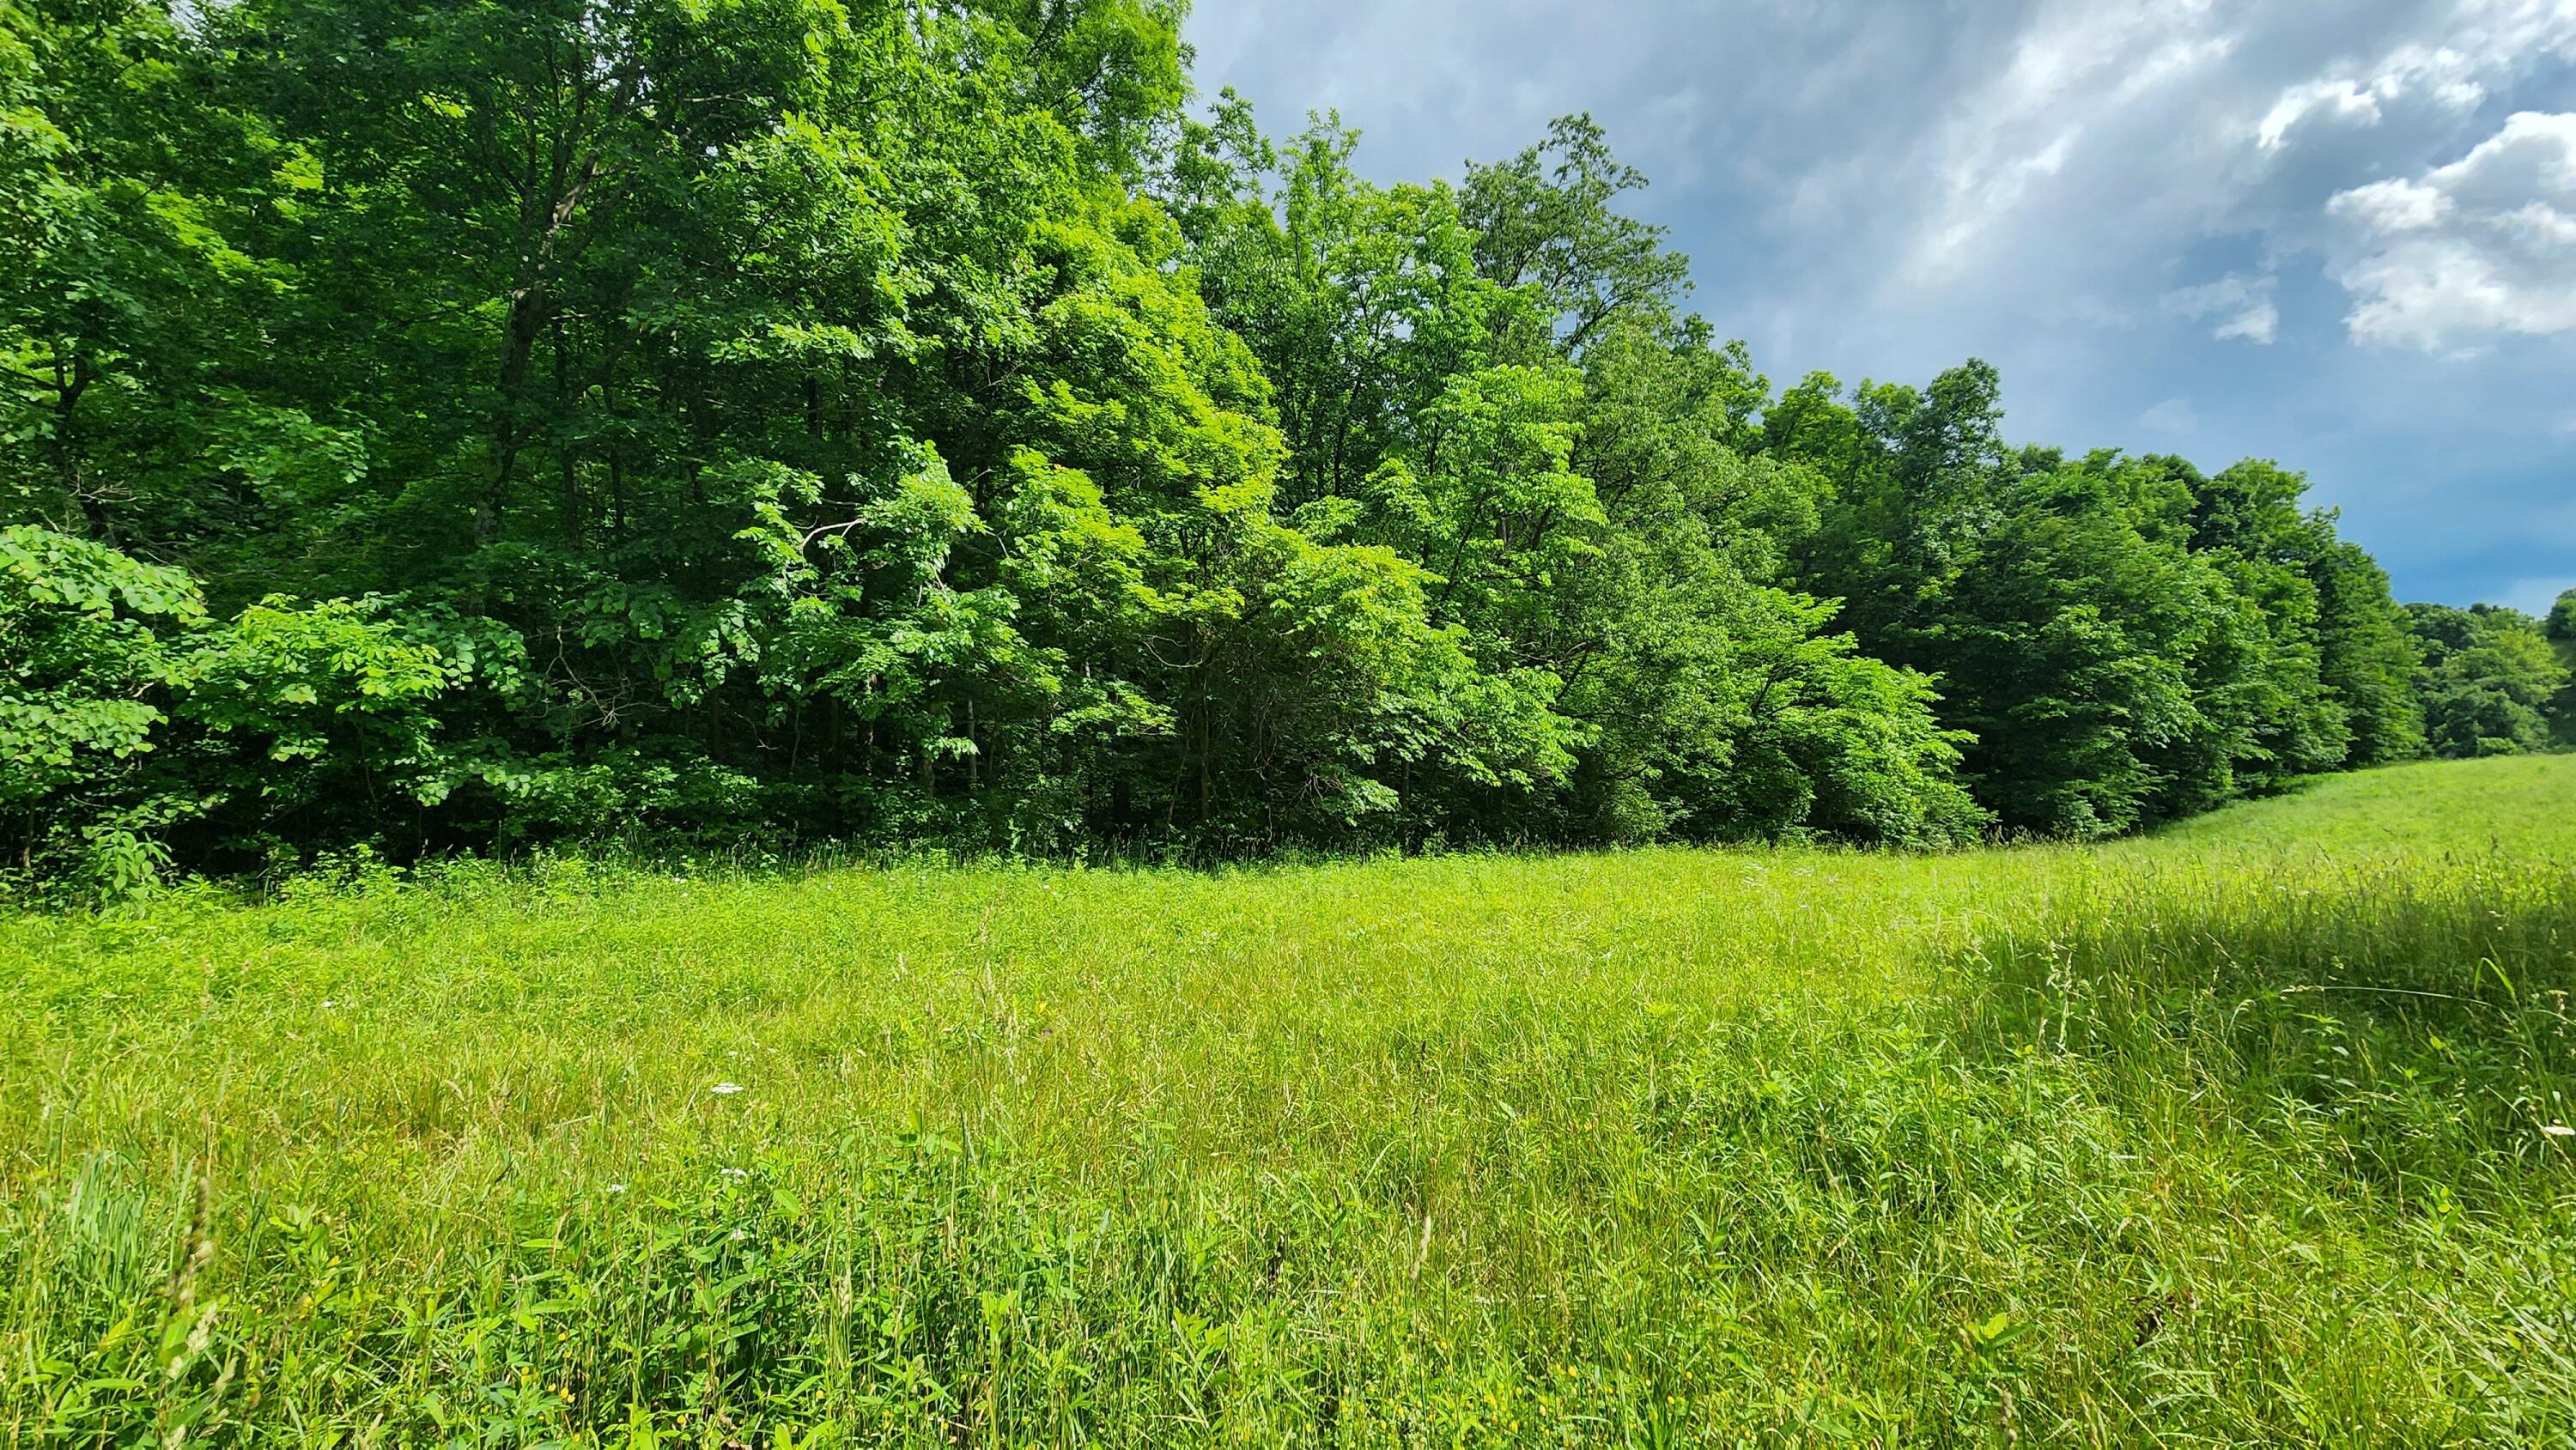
1493,381
1543,221
2071,644
2247,524
86,660
324,721
790,422
2249,1136
2490,679
76,622
131,318
1728,708
130,716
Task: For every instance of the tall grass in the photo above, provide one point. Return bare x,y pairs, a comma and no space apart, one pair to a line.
2204,1141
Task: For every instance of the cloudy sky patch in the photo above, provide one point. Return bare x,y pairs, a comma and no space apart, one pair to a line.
2340,233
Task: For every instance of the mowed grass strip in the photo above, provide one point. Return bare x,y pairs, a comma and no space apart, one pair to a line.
2242,1134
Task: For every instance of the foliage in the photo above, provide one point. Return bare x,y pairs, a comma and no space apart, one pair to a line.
2248,1136
2489,679
2561,629
86,656
2125,639
2369,658
785,422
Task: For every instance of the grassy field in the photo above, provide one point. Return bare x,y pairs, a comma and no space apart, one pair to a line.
2248,1133
2521,805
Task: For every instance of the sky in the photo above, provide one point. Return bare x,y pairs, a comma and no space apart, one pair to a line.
2336,233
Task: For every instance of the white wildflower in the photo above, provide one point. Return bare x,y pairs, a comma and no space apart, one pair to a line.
726,1089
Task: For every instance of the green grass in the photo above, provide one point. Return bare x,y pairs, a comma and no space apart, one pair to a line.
2522,804
2230,1135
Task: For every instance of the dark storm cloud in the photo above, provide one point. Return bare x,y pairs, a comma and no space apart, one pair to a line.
2339,234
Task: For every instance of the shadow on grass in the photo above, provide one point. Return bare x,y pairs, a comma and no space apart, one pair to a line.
2415,1028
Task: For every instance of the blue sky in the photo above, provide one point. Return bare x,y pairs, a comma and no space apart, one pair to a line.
2338,233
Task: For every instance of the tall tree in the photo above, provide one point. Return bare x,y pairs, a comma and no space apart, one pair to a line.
2561,629
2489,679
437,425
2366,657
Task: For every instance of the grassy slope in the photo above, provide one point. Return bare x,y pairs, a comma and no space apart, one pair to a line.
2230,1135
2525,804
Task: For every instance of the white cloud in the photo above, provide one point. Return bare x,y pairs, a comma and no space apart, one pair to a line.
2393,206
2479,39
2481,248
2340,99
2478,35
2108,141
2541,225
2243,307
2444,77
2173,415
1883,189
2078,72
2257,324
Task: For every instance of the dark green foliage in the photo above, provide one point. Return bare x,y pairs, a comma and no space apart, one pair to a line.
792,421
2368,655
2561,629
2125,639
2490,679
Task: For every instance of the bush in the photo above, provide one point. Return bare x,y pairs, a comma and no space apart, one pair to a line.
87,661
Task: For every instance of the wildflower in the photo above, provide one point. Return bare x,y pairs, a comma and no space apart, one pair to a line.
726,1089
617,1188
734,1172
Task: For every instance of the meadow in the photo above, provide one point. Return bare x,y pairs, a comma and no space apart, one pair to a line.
2250,1132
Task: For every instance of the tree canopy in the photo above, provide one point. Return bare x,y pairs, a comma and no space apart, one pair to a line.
440,426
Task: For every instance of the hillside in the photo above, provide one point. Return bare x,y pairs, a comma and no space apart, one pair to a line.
2521,804
2203,1137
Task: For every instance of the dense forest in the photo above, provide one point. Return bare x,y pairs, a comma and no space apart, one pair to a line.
433,426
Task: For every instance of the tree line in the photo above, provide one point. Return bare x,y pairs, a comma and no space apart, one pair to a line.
435,426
